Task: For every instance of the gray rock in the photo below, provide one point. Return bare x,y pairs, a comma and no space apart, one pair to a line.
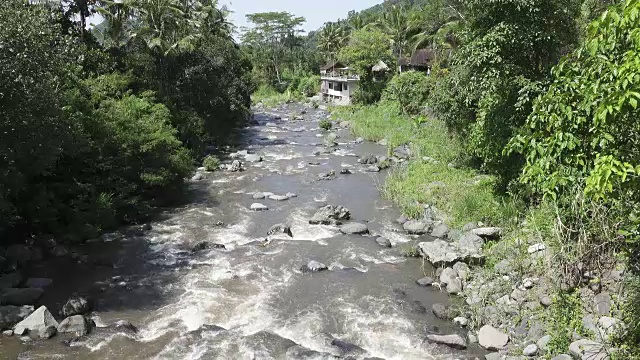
25,339
278,197
470,244
493,356
39,320
545,300
21,297
454,235
587,349
536,248
198,177
40,283
124,326
47,332
402,152
503,267
440,231
345,171
313,266
59,251
259,207
7,333
253,158
518,295
462,269
488,232
291,195
354,228
425,282
450,278
76,305
440,252
12,280
530,350
77,324
359,140
236,166
330,215
492,339
543,342
402,219
383,142
327,176
469,226
259,196
440,311
602,303
562,357
11,315
473,339
373,168
609,326
453,341
461,321
298,352
384,242
416,227
368,159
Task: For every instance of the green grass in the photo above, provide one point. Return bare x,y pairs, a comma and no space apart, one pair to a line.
270,97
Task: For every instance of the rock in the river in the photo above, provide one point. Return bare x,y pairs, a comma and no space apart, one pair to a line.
313,266
327,176
47,332
425,281
450,278
345,171
402,152
236,166
488,232
124,326
440,311
76,305
492,339
197,177
258,196
278,197
416,227
373,168
530,350
40,283
11,315
562,357
440,252
12,280
453,341
330,215
587,349
461,269
77,324
354,228
259,207
298,352
461,321
39,320
368,159
20,297
347,348
440,231
205,245
402,220
470,244
7,333
359,140
384,242
291,195
253,158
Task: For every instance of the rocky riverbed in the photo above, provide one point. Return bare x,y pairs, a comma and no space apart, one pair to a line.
288,252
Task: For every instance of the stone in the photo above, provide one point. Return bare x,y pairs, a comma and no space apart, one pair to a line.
453,341
384,242
253,158
493,356
373,168
39,283
25,339
504,300
402,152
543,342
59,251
425,282
562,357
259,207
39,320
47,332
588,349
235,166
77,324
450,278
488,232
440,252
125,327
461,321
454,235
20,297
402,219
492,339
472,338
327,176
536,248
470,244
518,295
368,159
278,197
259,196
205,245
416,227
11,315
440,311
440,231
530,350
76,305
7,333
383,142
602,303
197,177
313,267
345,171
330,215
609,326
469,226
503,267
359,140
354,229
291,195
528,284
462,269
545,300
12,280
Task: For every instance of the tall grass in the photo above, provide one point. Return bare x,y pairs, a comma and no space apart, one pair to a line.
270,97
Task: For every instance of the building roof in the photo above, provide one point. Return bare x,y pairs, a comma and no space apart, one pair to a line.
332,65
380,66
422,57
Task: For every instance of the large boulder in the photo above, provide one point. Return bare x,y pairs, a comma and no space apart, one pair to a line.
77,324
11,315
253,158
453,341
330,215
354,229
470,244
440,231
19,297
440,252
441,311
313,267
259,207
450,278
39,322
76,305
587,349
492,339
416,227
235,166
384,242
488,232
368,159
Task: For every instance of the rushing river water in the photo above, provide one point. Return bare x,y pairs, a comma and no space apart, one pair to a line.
250,301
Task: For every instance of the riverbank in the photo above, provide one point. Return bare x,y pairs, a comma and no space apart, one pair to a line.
519,300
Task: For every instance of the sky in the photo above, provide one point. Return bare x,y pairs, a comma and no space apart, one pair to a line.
315,12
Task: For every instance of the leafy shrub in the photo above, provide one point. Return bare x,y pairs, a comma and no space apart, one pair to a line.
211,163
309,86
326,125
410,89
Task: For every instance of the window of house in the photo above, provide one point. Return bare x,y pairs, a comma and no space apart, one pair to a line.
346,87
338,87
331,86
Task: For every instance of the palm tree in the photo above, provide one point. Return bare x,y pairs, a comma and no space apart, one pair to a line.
399,23
331,39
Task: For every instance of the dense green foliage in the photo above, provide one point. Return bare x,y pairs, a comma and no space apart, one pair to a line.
92,133
409,89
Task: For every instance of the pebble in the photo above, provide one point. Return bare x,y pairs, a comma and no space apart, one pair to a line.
291,195
530,350
536,248
425,281
461,321
7,333
258,207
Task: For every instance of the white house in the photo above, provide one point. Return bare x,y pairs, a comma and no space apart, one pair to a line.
338,83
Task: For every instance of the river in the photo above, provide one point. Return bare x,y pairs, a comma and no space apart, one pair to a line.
249,301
